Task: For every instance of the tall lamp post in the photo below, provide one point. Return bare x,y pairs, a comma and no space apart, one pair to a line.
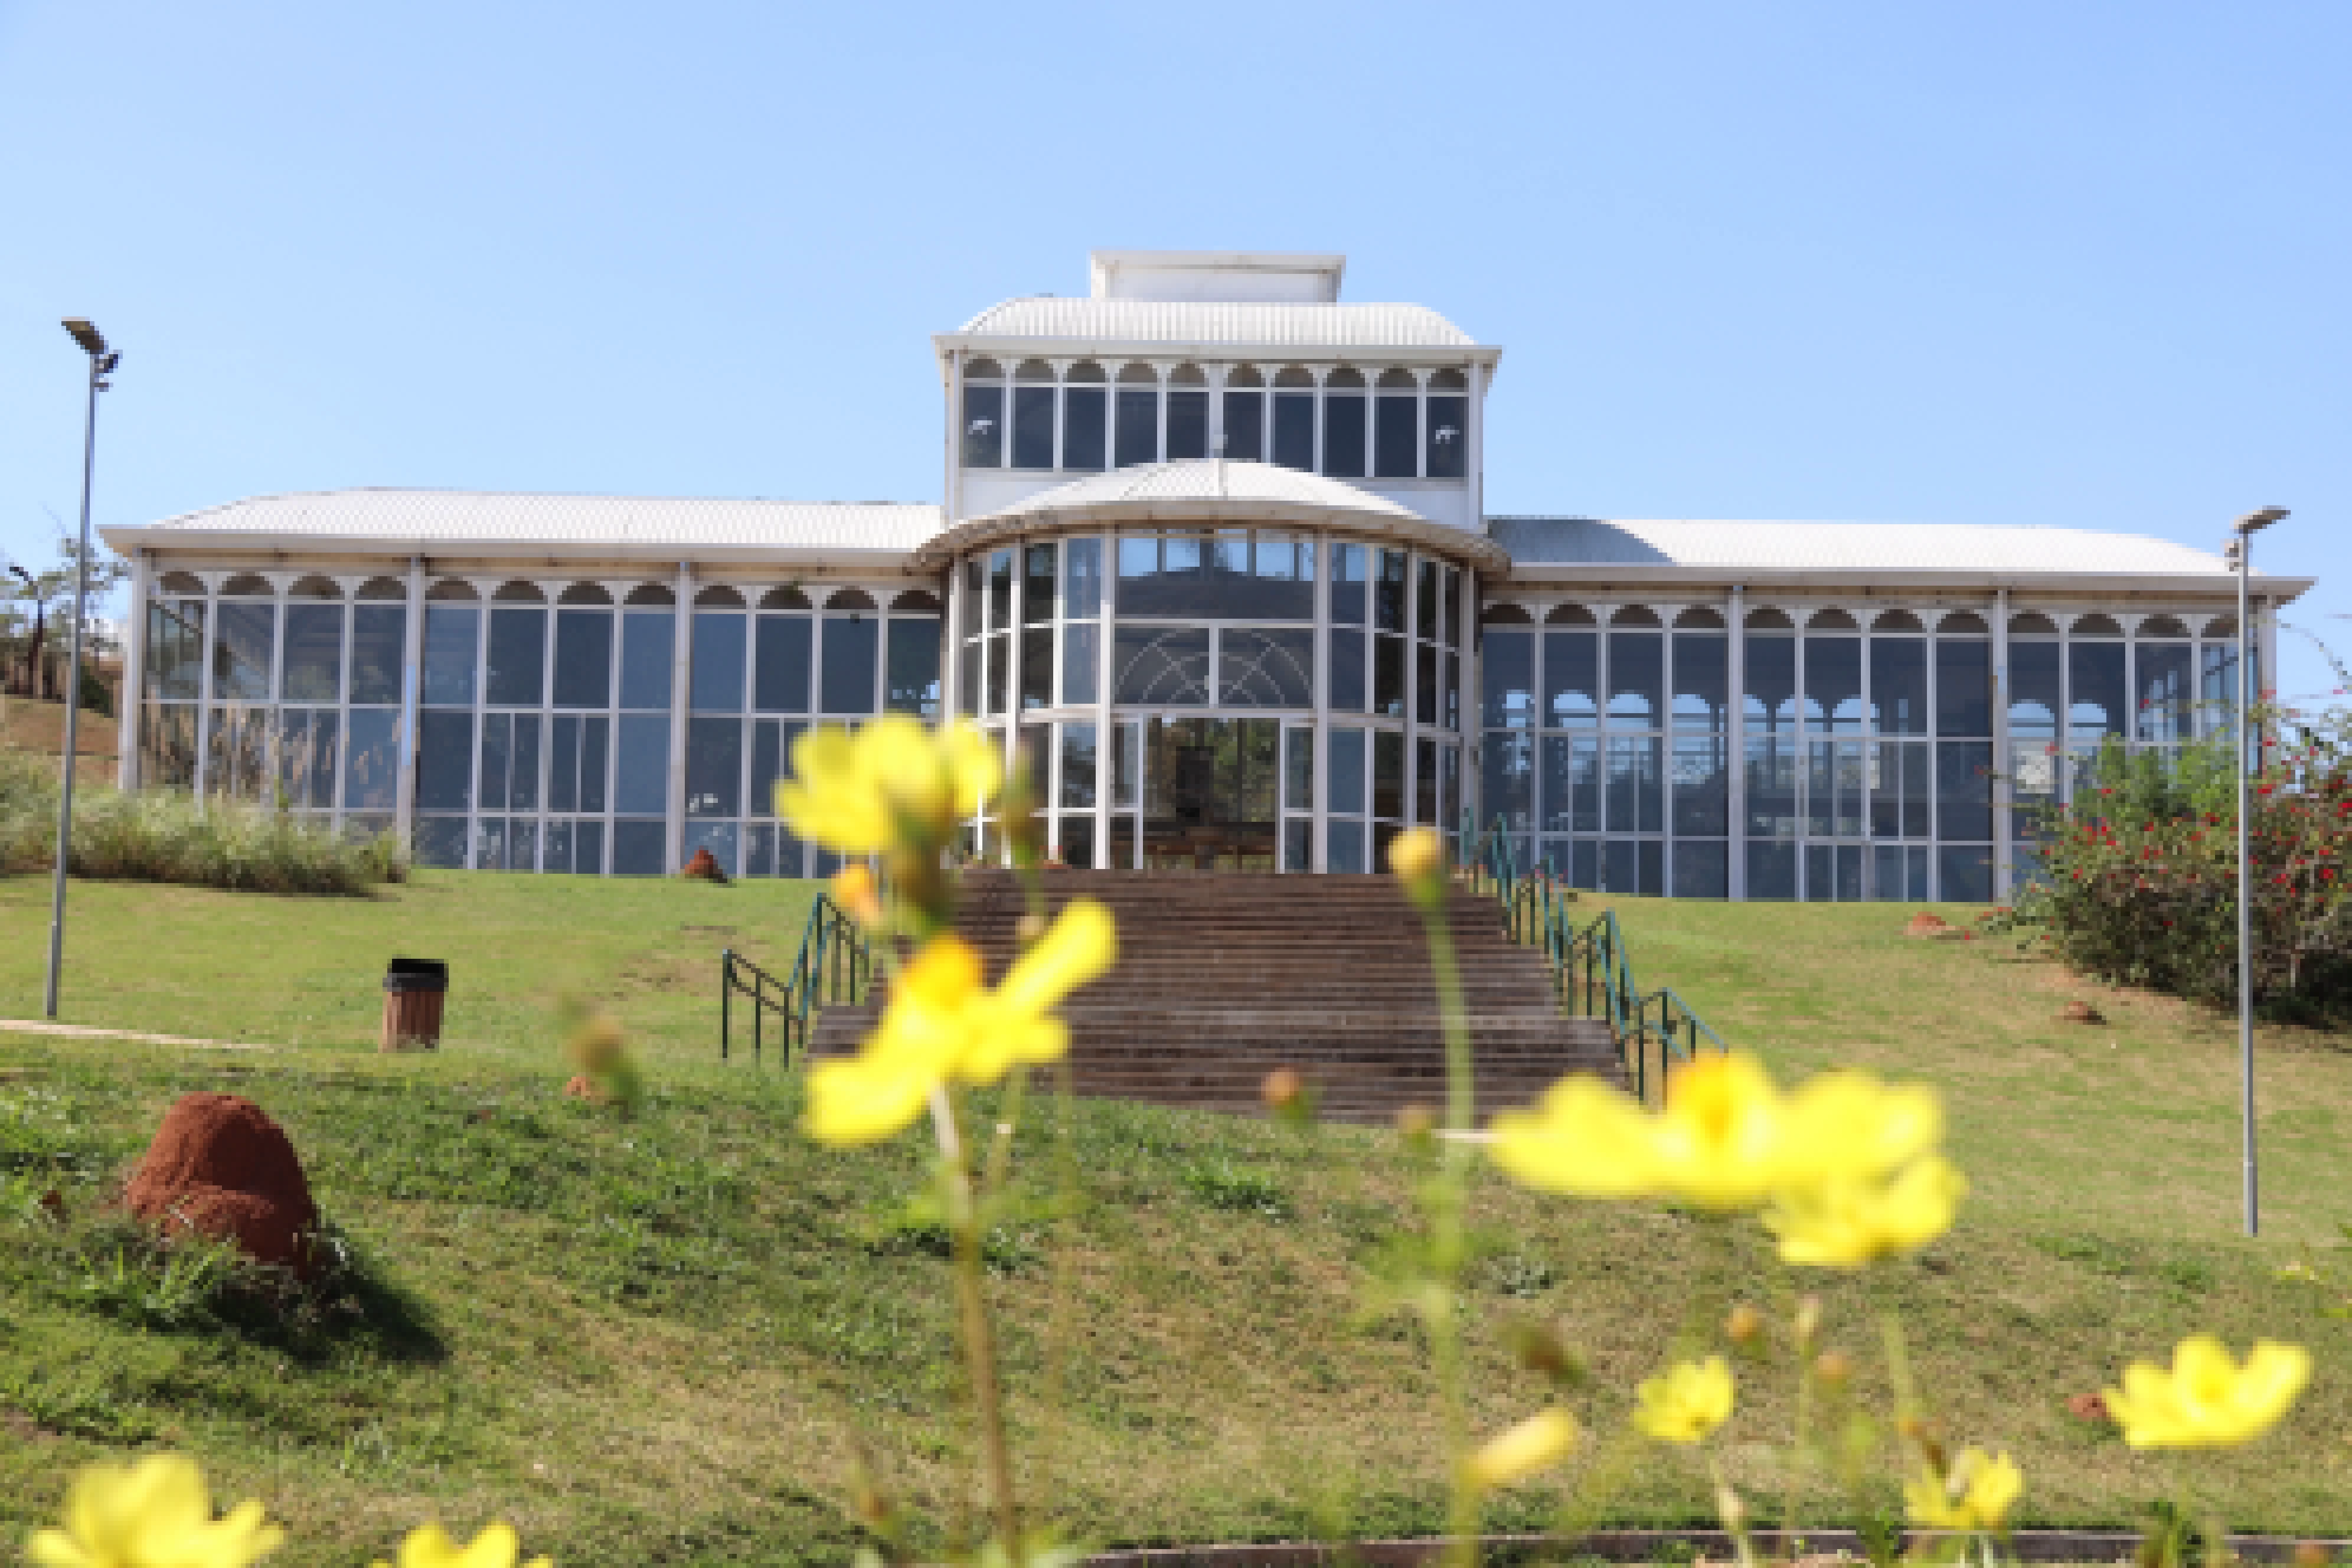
102,360
2241,536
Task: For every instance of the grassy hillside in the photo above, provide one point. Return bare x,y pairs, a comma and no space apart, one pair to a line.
658,1341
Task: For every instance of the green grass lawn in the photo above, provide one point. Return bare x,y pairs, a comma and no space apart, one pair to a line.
663,1341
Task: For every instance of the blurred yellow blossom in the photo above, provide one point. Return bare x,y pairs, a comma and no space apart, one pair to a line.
1584,1138
151,1512
857,893
1976,1496
1685,1402
1850,1222
943,1024
1527,1449
429,1546
1843,1124
2206,1400
887,783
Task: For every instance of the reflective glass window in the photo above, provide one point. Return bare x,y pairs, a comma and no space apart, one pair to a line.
244,638
913,676
1963,791
717,679
1268,668
714,767
372,760
583,659
1346,797
444,759
1634,801
2168,692
379,634
1349,692
848,662
1510,677
1084,410
1293,430
1571,677
1963,686
1082,578
1298,769
2099,702
1449,437
1037,666
1037,584
451,632
1343,434
307,756
649,648
1033,426
1637,676
1161,666
1388,676
1000,590
1350,574
1139,425
1834,684
638,850
175,644
515,675
1397,437
780,682
1188,424
1700,682
1077,766
1245,426
1389,592
1081,661
1387,775
1898,684
1701,784
641,778
983,426
314,654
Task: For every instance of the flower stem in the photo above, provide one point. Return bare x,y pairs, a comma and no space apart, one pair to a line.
1443,1199
972,1301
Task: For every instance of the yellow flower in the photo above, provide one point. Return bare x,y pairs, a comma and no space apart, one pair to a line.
858,894
154,1512
943,1024
1977,1496
887,783
1845,1223
1727,1139
2207,1400
1686,1403
429,1546
1527,1449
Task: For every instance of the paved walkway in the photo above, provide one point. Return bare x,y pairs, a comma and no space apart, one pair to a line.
83,1032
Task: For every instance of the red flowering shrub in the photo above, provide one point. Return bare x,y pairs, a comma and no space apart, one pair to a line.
2139,883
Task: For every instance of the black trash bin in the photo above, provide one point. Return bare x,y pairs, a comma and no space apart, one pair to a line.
413,991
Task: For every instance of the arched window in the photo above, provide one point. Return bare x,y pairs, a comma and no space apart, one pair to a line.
1700,620
1769,620
1505,615
2162,626
1445,426
1294,418
1832,621
1896,621
1396,427
381,588
983,370
1634,615
849,599
650,593
584,594
1346,425
1245,407
983,414
1961,623
916,601
246,585
1085,417
451,589
718,598
1188,414
1570,616
2032,625
518,594
181,583
1033,414
1137,438
2096,626
314,588
784,599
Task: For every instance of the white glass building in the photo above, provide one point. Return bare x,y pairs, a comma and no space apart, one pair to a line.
1213,557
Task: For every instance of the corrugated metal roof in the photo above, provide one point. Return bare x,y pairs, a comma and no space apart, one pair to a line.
478,517
1965,549
1221,322
1208,479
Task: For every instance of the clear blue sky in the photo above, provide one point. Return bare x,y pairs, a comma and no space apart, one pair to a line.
2054,264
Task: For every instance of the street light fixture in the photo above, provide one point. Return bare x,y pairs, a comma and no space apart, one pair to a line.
2241,535
102,360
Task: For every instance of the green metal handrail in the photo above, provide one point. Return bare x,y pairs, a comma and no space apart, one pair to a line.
1591,966
834,964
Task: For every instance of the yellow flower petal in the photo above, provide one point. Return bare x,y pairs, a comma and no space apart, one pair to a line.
429,1546
2206,1400
1977,1496
894,782
1082,943
153,1512
1527,1449
1847,1124
1845,1222
1583,1139
1722,1138
1686,1403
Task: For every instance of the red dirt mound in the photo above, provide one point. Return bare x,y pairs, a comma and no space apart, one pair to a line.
1927,923
703,868
221,1167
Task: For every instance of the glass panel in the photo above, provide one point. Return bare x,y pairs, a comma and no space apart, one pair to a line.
2167,695
516,674
1834,684
1347,782
314,653
440,841
1037,666
714,767
1387,775
1771,672
1265,668
715,682
307,757
497,736
1898,684
1033,426
1966,873
1833,788
444,759
1702,870
1245,426
913,678
1426,621
999,655
1127,765
1425,684
1899,790
637,848
1571,675
1701,683
563,763
648,646
772,746
1771,787
1773,871
1343,436
1209,793
1388,593
1077,766
1187,425
1283,585
1160,666
1388,676
1702,769
1298,844
243,642
371,761
1963,686
1449,437
1293,430
1139,425
1000,590
1347,690
522,791
643,782
853,648
588,848
983,426
1964,790
583,659
721,838
1636,801
1082,579
1299,768
1397,440
781,683
1037,584
378,636
1344,846
1350,574
2097,703
1084,410
175,644
1637,678
1424,781
1081,661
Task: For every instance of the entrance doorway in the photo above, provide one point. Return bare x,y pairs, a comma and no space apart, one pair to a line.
1211,798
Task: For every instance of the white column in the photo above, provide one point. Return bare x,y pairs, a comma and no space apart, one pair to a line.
951,693
1467,609
130,710
412,696
1475,471
2004,782
952,494
681,672
1106,760
1318,744
1013,673
1735,742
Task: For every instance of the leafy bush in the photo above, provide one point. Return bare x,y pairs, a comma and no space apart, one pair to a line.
164,837
2139,881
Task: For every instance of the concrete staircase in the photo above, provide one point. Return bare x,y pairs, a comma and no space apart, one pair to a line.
1222,978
